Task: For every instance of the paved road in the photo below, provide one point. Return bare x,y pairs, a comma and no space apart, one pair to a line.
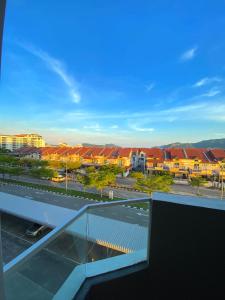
126,214
127,194
189,190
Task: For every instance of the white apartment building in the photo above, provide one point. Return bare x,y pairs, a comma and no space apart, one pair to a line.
13,142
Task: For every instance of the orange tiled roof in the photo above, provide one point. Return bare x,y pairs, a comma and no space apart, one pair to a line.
154,153
216,154
173,153
124,152
195,153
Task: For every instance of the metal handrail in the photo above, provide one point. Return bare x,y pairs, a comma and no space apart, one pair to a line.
39,245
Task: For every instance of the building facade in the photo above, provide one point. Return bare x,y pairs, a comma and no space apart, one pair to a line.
179,162
13,142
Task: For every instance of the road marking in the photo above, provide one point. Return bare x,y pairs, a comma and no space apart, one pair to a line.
140,214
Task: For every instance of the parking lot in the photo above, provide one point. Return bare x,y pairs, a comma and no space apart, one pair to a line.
64,254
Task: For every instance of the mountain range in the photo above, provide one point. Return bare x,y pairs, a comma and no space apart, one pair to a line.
214,143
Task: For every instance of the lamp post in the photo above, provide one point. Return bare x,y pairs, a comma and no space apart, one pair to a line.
66,169
222,168
66,176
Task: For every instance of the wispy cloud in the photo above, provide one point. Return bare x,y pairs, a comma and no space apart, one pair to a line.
95,127
188,54
142,129
211,93
58,67
150,86
203,110
206,80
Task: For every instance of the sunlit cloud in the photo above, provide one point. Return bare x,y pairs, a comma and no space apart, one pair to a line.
58,67
188,54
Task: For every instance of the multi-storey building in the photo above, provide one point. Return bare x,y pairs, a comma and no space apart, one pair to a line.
13,142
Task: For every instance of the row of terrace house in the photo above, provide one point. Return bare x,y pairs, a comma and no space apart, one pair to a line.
181,162
88,156
186,162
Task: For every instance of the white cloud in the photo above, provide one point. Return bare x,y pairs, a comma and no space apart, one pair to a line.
203,110
142,129
211,93
188,54
114,127
58,68
95,127
150,86
206,80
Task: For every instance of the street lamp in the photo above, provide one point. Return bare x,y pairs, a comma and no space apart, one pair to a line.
66,176
222,168
66,167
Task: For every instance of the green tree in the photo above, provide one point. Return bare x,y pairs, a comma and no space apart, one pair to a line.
8,160
101,179
3,171
115,169
90,169
73,165
43,173
98,179
15,171
137,175
55,164
154,183
84,180
32,163
197,182
2,150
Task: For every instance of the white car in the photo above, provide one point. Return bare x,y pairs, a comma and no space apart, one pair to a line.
35,229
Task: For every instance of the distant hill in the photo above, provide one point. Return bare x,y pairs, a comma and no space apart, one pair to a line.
93,145
216,143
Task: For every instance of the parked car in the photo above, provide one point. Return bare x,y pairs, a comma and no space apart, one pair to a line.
35,229
59,178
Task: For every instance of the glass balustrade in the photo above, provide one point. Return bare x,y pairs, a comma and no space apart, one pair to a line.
103,238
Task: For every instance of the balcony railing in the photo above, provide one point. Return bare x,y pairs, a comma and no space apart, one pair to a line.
101,238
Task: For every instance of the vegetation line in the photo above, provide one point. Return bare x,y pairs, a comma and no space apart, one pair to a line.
58,190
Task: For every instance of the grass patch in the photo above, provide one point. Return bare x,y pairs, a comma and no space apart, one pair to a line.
59,190
71,192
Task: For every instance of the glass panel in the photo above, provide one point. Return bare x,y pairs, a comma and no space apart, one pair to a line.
56,271
117,237
104,239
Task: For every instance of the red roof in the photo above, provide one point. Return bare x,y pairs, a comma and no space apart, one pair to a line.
216,154
173,153
107,151
124,152
154,153
195,153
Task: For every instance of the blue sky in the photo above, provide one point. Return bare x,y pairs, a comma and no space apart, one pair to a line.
137,73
